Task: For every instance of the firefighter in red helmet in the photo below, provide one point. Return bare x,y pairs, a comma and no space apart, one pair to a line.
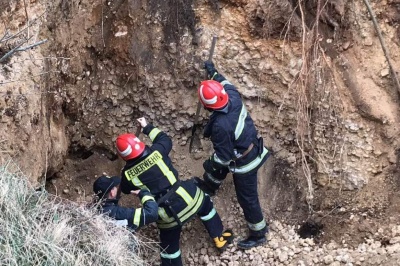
149,167
212,95
237,149
129,146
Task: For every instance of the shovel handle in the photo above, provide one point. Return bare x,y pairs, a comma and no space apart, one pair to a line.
213,43
210,55
196,118
138,130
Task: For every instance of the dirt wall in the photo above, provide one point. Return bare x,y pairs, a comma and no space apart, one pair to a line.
32,131
114,61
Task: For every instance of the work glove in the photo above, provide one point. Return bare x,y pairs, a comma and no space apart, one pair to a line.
204,186
217,171
209,66
142,121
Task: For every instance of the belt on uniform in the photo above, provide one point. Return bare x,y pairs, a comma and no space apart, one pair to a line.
164,200
245,152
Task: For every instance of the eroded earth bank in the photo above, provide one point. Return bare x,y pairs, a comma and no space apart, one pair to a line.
312,73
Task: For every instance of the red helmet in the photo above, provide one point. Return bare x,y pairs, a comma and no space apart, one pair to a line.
212,94
129,146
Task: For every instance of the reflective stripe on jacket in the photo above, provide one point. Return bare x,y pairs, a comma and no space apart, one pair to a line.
232,131
155,172
135,217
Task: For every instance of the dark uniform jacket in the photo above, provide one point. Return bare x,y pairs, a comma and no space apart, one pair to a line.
135,218
178,200
232,131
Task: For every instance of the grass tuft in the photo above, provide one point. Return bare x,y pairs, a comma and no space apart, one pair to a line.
37,228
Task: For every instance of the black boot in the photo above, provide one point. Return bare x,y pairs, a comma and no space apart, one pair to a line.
252,241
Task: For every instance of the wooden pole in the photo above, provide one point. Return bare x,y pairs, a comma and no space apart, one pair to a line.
385,50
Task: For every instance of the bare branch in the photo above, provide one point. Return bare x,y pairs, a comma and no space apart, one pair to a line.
14,35
31,46
4,36
9,53
18,48
22,30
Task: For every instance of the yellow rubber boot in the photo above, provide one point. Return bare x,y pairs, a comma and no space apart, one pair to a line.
224,240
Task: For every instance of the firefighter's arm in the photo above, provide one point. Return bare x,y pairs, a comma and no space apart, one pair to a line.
216,167
137,217
213,74
223,147
148,213
161,141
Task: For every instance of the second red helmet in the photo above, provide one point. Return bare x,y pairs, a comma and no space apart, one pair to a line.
129,146
212,94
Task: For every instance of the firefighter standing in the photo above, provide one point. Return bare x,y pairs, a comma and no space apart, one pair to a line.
236,149
152,169
106,189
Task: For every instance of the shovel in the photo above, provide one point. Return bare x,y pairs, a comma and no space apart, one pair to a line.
138,130
195,138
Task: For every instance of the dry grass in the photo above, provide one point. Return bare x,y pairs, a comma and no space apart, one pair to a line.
37,228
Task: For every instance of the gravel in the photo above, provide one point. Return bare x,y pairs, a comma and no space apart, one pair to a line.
284,247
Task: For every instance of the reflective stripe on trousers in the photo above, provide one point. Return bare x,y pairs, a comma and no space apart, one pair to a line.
171,256
247,195
257,226
170,252
169,247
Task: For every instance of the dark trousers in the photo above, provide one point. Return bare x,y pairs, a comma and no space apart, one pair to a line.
170,252
247,195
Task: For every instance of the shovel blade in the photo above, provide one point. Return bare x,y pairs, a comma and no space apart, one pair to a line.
195,143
